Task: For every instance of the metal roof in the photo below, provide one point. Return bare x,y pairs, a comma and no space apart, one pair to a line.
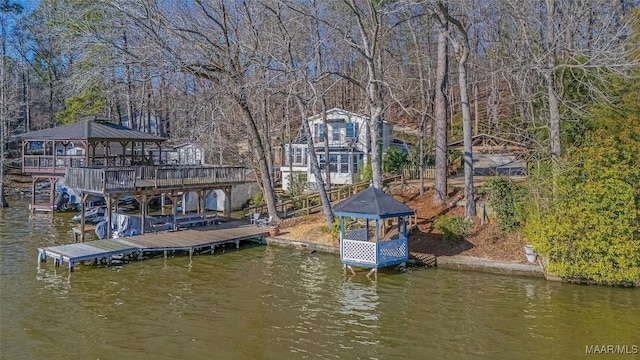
372,203
93,128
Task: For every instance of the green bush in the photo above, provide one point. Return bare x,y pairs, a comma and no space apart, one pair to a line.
453,227
590,229
367,171
394,160
257,199
334,230
429,155
507,199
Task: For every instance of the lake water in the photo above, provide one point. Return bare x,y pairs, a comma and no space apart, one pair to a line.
271,303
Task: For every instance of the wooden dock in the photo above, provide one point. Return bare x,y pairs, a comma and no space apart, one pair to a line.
190,240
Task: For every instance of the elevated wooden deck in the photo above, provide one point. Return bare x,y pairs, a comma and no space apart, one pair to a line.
151,179
184,240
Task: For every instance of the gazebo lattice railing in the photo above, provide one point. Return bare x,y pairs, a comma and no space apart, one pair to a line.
357,250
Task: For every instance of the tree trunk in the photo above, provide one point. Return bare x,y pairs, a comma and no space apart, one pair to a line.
3,106
554,103
260,153
440,116
470,206
315,168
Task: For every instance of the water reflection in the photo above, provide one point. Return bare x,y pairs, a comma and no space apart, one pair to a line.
58,282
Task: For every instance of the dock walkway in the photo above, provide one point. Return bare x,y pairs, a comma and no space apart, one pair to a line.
189,240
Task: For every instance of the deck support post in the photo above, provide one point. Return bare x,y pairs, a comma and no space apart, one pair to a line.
108,219
83,208
34,180
143,210
373,271
348,267
202,203
174,211
52,195
227,202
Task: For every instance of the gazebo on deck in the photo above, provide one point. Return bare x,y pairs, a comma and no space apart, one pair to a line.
361,247
95,142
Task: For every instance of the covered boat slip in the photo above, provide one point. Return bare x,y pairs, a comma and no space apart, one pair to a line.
188,240
146,182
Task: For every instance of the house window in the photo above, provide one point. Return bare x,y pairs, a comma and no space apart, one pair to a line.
344,164
335,129
352,130
321,161
333,163
297,156
318,133
355,163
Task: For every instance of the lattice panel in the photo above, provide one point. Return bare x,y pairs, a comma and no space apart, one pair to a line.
393,249
357,234
360,251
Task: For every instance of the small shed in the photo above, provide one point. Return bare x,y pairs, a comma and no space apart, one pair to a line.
367,246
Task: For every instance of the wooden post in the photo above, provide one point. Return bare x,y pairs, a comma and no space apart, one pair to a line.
174,201
202,203
34,180
108,198
143,210
83,209
52,193
227,202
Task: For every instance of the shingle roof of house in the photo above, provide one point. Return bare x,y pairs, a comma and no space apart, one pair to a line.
93,128
372,203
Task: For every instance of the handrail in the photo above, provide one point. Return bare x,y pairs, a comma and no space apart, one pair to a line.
125,179
335,195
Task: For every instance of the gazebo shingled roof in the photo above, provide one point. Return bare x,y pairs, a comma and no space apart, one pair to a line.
372,203
92,128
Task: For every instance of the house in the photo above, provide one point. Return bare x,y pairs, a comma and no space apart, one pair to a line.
347,135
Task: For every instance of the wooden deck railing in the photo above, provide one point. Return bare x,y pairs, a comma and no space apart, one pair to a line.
125,179
50,164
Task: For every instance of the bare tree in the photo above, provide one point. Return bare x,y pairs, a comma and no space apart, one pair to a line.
369,20
6,8
440,111
460,45
299,78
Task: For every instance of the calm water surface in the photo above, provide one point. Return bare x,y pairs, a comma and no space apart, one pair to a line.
271,303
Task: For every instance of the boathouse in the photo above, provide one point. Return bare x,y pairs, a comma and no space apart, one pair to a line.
364,238
94,142
97,157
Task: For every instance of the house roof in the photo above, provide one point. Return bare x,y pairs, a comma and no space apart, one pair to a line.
372,203
337,112
92,128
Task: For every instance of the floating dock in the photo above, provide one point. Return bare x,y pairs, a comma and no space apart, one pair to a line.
190,240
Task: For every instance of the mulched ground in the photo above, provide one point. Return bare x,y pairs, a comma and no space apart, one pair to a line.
484,241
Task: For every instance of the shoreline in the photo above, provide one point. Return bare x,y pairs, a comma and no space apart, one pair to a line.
460,262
